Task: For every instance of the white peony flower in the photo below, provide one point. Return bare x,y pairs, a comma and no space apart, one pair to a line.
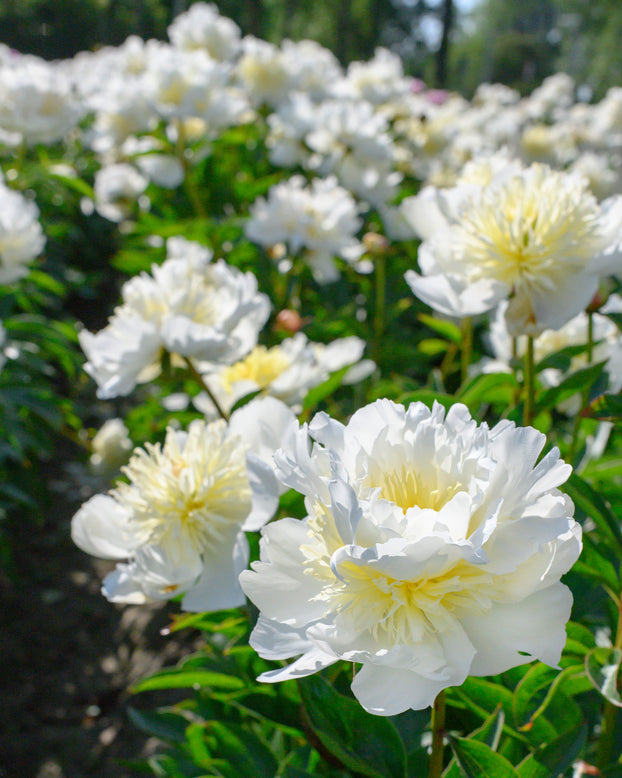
433,550
321,218
117,189
37,101
180,520
111,447
535,236
189,306
21,236
191,85
202,27
287,371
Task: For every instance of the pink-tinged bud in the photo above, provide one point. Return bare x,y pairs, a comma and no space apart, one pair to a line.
375,243
290,321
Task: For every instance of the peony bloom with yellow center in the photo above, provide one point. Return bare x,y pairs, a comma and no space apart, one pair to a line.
533,236
287,371
432,550
180,519
188,306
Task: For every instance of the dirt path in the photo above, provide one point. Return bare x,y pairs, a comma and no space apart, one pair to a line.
67,657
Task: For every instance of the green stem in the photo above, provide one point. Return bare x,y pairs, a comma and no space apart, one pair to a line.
380,266
590,337
574,441
197,375
189,182
529,383
606,741
435,768
467,347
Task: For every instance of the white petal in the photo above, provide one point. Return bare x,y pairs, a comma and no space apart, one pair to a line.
387,691
218,586
102,528
280,588
307,664
514,634
264,493
447,294
273,640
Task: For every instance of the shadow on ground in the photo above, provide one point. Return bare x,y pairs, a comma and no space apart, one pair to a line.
67,658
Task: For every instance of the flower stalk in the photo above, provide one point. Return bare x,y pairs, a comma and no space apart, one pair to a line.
435,768
197,375
467,347
529,383
610,711
380,266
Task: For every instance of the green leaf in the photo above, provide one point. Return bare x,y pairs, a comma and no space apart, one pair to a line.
478,760
187,679
580,381
489,733
243,750
77,184
244,400
195,739
447,329
160,723
325,389
561,360
602,666
362,742
595,507
432,347
428,397
489,388
553,758
482,697
580,639
538,688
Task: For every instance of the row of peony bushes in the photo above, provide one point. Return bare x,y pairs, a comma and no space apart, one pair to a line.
342,357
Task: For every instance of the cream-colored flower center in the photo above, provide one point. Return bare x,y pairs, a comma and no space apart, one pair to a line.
401,611
193,298
408,488
531,230
187,496
262,366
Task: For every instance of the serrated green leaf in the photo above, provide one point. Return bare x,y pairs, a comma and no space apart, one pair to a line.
339,722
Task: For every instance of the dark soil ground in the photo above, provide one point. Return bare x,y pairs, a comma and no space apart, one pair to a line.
67,658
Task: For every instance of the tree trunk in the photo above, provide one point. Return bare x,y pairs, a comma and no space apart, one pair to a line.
443,51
